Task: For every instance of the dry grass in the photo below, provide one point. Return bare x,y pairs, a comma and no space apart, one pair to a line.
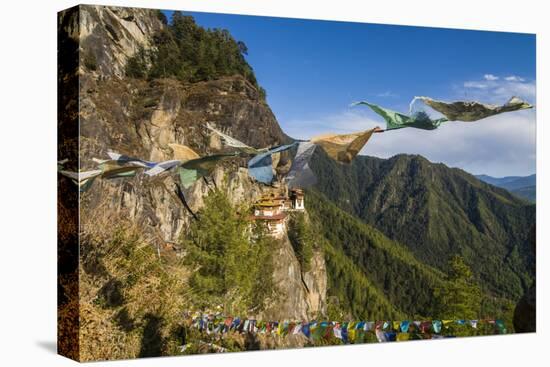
131,300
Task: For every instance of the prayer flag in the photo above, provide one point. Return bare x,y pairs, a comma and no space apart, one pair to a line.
344,147
183,152
162,167
260,166
436,324
473,110
396,120
234,143
300,174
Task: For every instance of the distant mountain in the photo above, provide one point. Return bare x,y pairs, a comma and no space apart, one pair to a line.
437,211
522,186
528,192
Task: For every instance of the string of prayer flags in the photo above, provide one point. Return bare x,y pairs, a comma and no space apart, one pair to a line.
120,172
396,120
347,332
340,147
344,147
161,167
113,169
259,166
152,168
472,110
107,169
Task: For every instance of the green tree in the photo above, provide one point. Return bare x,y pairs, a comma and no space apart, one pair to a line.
460,296
231,262
261,250
190,53
136,67
162,17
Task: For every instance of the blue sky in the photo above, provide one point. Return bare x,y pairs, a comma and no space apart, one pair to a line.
312,70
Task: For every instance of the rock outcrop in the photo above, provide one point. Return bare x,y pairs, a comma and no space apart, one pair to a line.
142,118
111,35
301,295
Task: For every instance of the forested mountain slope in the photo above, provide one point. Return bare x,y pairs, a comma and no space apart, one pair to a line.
437,211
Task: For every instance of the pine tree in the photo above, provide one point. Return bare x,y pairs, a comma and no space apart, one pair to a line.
232,264
191,53
460,295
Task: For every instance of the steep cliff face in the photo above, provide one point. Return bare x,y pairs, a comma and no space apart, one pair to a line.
141,118
110,35
302,296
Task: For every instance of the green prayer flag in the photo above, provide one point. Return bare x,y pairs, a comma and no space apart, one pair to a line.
397,120
187,177
192,170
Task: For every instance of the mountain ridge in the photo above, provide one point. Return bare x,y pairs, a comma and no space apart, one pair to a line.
522,186
437,211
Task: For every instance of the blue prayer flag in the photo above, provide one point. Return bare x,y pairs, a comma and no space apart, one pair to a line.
259,167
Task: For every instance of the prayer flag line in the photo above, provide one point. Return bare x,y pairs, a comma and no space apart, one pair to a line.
347,332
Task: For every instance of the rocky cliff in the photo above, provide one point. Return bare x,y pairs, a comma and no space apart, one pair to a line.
110,35
142,117
302,296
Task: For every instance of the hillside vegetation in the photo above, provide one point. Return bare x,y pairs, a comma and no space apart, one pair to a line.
185,51
371,276
437,212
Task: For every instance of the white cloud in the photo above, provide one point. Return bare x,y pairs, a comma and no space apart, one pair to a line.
497,91
387,94
499,146
490,77
514,78
473,84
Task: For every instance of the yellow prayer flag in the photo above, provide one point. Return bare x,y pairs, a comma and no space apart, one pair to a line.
344,147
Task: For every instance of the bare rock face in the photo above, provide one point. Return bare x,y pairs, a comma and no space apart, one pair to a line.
291,292
111,35
301,296
315,281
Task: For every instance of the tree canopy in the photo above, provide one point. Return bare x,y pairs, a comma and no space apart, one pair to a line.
460,296
186,51
232,263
